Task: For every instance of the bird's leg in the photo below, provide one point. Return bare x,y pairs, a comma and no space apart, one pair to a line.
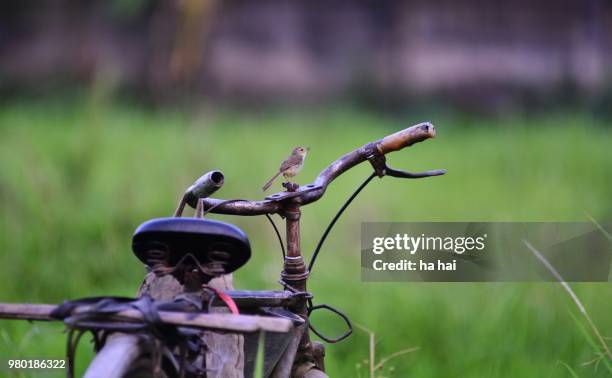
290,186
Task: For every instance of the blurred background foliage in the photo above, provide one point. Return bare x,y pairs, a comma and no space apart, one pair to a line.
479,55
108,110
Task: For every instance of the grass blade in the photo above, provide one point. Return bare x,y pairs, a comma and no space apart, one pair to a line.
386,359
572,294
569,369
259,359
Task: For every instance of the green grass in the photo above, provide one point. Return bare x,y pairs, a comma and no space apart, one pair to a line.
76,178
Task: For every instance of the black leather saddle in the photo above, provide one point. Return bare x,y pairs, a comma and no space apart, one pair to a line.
207,240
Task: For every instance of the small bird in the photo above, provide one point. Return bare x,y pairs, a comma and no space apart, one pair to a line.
291,166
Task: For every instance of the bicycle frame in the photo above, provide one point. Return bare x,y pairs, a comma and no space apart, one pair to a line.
294,275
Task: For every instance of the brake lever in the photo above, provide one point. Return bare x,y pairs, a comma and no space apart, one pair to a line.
404,174
379,163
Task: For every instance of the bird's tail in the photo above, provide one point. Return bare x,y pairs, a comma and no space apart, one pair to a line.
267,185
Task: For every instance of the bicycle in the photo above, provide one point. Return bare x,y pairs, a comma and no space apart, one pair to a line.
179,325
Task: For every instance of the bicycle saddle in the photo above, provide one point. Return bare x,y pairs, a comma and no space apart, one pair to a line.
207,240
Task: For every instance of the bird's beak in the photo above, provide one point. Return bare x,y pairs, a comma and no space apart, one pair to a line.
307,148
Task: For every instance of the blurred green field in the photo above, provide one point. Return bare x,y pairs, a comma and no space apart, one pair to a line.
77,178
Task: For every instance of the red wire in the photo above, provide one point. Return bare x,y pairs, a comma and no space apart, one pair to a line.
227,300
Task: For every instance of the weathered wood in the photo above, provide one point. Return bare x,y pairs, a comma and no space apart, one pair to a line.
285,364
224,322
225,356
25,311
160,288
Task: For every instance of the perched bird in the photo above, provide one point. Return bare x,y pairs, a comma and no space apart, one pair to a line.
291,166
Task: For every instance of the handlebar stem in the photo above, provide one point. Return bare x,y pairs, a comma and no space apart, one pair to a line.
295,273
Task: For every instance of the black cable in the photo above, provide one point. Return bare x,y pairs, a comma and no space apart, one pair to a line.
333,222
310,306
331,340
280,239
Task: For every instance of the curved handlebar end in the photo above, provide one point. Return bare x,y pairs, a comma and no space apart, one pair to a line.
406,137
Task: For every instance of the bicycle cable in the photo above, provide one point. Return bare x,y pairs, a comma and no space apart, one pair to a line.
333,222
311,308
278,235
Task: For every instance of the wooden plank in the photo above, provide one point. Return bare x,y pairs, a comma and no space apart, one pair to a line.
225,355
26,311
223,322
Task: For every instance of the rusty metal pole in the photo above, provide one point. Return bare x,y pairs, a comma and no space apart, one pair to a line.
295,273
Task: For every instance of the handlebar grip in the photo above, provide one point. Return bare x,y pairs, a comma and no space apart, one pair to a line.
406,137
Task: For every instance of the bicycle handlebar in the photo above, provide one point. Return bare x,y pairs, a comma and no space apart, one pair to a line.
306,194
406,137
